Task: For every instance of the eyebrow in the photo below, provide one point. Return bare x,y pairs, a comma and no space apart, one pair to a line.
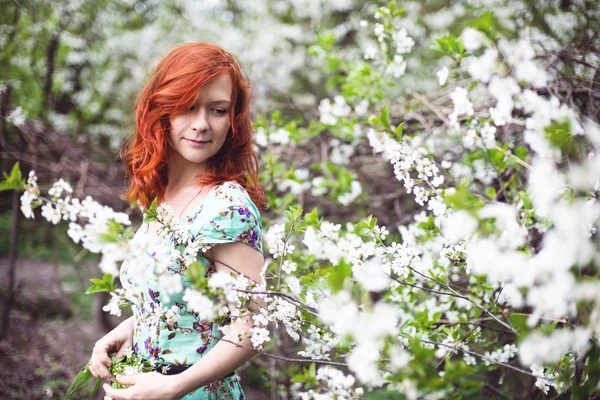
223,102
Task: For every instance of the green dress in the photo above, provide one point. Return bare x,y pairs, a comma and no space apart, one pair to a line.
227,214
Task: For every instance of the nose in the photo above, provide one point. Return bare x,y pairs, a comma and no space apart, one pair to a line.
199,121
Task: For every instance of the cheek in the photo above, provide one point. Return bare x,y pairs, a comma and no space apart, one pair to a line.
177,125
224,126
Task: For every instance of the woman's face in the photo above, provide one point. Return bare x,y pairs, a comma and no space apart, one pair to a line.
198,133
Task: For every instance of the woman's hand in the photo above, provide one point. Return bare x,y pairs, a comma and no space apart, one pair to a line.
147,386
119,340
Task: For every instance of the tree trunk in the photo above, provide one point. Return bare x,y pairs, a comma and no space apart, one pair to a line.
12,254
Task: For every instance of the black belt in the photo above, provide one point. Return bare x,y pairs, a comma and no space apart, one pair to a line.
177,369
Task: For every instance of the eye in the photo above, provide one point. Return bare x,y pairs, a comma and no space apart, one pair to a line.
192,108
220,111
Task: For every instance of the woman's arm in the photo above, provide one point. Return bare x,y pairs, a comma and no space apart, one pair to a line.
225,357
221,360
119,340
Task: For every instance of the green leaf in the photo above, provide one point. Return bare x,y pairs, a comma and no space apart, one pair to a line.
80,380
361,225
449,45
196,273
308,280
487,23
296,213
13,181
337,275
15,174
463,199
288,215
398,11
312,218
154,205
559,135
385,118
373,120
96,387
95,288
7,186
496,157
490,192
372,222
398,131
518,321
522,153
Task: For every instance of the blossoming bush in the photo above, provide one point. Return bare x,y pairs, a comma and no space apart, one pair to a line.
494,276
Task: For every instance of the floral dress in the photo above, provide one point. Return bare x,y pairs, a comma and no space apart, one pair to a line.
227,214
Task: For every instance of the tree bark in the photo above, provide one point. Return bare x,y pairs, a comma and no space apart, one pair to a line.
12,254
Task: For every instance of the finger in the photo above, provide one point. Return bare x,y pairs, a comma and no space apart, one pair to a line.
117,394
127,379
99,369
102,361
103,371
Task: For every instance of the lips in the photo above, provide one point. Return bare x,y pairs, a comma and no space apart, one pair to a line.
197,141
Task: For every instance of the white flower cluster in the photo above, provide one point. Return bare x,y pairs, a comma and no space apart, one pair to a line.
113,305
480,137
277,243
339,386
324,246
472,39
543,112
503,90
16,117
341,152
368,328
236,294
462,105
318,345
259,336
331,112
544,380
282,310
30,195
442,75
503,354
298,185
288,266
521,55
279,136
483,67
171,315
538,348
70,209
399,39
355,191
404,159
200,304
58,187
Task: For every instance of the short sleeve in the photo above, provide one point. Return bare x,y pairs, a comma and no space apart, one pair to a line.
233,223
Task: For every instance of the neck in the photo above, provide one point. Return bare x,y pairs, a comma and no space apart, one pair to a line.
182,173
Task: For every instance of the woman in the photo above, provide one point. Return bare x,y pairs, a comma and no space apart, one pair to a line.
192,149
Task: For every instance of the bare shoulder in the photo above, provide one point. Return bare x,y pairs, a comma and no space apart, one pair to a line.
240,258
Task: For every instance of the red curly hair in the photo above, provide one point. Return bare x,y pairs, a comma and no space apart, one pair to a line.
173,88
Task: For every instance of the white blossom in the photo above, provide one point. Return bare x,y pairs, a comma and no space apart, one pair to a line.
472,39
442,75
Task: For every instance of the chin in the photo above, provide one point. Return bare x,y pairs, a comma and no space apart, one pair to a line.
196,159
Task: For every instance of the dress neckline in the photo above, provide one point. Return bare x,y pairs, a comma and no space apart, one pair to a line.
204,200
193,210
